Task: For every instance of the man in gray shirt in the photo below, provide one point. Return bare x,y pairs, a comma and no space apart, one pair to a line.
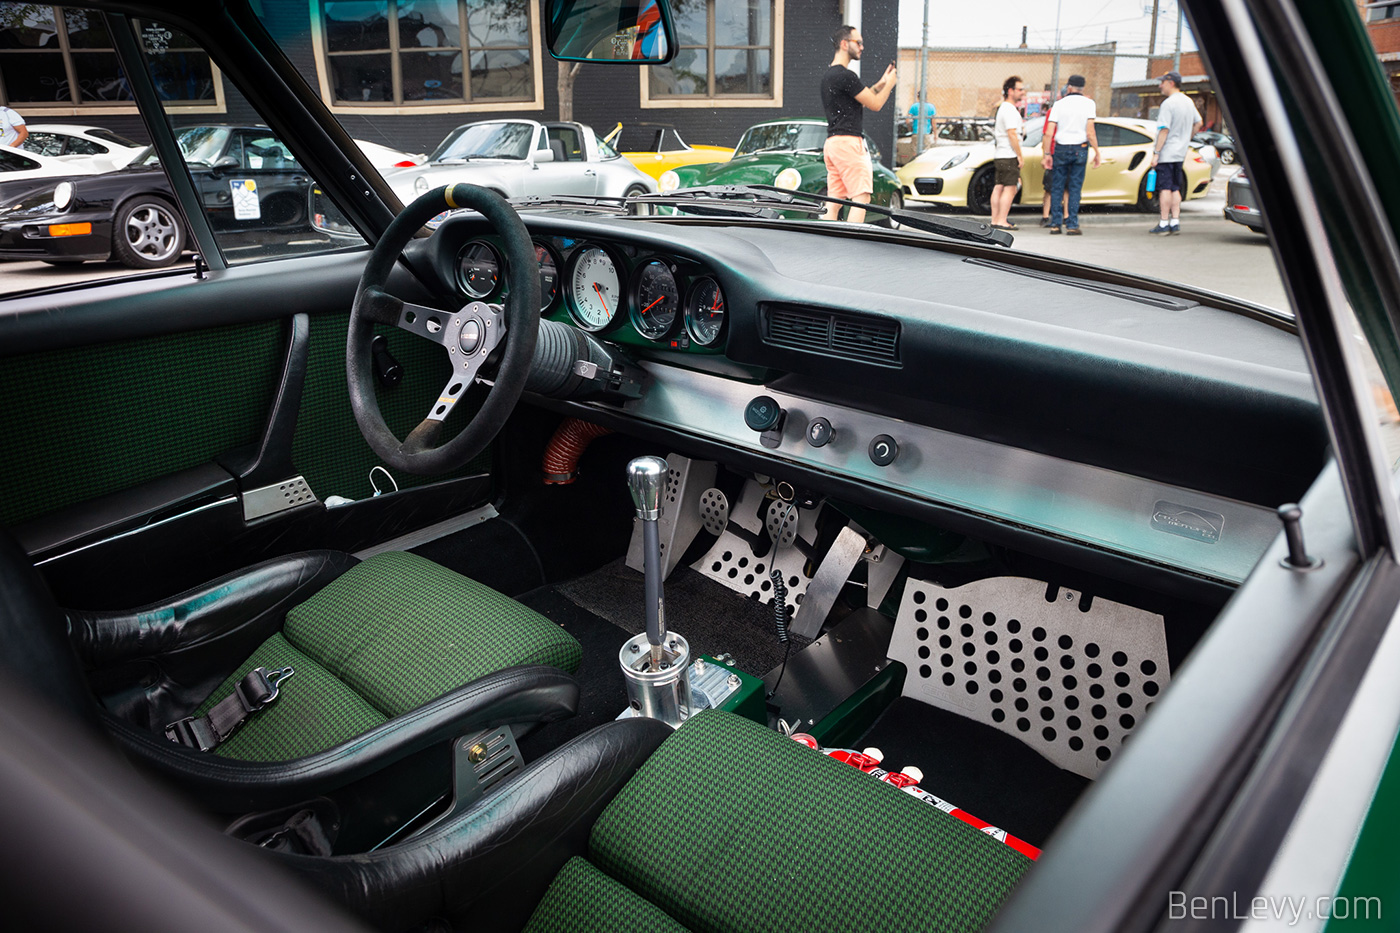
1178,121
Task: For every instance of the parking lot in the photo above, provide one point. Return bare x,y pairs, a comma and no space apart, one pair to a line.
1211,252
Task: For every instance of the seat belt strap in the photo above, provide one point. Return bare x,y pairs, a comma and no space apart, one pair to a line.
256,690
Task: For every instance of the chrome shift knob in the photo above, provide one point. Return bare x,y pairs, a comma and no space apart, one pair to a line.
646,477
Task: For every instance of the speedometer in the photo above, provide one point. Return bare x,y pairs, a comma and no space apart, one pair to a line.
704,312
656,301
595,289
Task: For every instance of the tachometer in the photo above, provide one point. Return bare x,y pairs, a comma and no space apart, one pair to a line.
595,290
479,269
656,301
549,275
704,312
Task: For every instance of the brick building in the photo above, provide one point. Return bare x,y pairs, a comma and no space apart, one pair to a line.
1142,98
403,74
967,82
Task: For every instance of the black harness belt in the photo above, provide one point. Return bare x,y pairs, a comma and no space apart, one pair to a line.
256,690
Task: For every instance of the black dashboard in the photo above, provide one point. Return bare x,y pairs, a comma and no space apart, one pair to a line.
1084,404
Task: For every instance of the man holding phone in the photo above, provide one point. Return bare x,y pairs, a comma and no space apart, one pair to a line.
845,98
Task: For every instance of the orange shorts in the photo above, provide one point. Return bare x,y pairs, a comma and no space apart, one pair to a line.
848,169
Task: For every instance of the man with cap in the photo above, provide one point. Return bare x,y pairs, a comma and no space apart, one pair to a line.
1069,130
1177,121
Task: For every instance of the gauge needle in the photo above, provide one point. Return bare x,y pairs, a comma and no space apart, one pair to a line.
601,298
652,305
715,306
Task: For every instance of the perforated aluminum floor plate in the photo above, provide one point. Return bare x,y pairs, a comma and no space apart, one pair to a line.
1070,684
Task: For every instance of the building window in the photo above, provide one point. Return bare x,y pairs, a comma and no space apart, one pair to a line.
730,53
1378,12
435,54
58,59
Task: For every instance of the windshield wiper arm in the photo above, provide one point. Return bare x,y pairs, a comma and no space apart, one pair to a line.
702,204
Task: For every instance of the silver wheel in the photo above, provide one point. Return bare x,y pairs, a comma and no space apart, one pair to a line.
1227,156
896,204
151,233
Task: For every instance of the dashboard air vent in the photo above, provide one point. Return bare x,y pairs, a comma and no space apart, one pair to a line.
860,337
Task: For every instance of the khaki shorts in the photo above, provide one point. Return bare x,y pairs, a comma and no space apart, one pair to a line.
1008,172
848,169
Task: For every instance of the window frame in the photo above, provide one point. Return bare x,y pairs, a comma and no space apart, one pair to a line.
710,99
79,109
322,54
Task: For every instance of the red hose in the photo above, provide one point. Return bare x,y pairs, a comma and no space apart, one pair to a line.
570,440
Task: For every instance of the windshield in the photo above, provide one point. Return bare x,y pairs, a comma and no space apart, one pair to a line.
486,141
202,144
778,136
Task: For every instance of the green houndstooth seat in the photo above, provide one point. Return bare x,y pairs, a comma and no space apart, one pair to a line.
394,658
382,639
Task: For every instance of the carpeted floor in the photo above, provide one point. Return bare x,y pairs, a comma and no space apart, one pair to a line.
712,617
978,768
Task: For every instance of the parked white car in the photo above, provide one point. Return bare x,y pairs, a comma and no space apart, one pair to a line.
519,158
19,164
386,159
100,149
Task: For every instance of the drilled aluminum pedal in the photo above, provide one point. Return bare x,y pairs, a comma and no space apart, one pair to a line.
714,511
686,482
733,559
1071,678
781,523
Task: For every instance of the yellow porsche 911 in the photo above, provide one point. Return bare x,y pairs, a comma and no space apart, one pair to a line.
963,176
656,147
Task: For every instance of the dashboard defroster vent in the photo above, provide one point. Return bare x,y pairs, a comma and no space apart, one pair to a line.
861,337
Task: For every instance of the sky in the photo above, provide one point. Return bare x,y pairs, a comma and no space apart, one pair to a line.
1082,22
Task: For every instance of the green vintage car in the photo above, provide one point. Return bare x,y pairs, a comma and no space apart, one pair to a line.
786,153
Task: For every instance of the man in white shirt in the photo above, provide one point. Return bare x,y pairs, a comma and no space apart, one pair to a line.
1178,121
1007,158
1069,134
12,128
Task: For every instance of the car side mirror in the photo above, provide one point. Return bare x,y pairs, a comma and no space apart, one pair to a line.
227,161
633,32
541,156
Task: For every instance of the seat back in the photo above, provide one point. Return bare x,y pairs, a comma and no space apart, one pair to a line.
34,649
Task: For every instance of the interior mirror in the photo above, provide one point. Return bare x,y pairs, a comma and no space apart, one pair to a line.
540,156
637,32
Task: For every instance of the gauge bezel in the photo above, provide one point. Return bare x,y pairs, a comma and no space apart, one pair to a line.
501,271
634,298
559,267
571,302
689,306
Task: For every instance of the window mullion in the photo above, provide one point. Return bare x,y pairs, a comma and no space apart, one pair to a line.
61,26
465,47
395,66
710,47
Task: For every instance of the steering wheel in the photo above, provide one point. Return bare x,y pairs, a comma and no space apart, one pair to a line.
483,341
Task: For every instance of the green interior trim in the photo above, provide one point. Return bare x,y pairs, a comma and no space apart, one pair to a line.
83,422
328,449
1372,881
858,712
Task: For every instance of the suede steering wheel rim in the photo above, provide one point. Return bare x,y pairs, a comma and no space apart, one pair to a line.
476,337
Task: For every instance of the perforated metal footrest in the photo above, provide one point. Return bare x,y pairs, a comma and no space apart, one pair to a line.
1069,677
687,481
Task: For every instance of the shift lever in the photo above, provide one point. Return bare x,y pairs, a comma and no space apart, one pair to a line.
646,478
656,663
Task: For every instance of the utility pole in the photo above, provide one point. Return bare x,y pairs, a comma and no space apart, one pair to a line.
1176,59
923,88
1152,36
1055,68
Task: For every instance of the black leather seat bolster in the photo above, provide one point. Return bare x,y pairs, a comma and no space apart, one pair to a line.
515,695
155,664
486,869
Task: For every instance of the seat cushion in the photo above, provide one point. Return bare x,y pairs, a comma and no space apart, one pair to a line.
389,635
730,826
584,900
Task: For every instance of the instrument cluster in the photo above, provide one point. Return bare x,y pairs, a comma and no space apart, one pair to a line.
608,289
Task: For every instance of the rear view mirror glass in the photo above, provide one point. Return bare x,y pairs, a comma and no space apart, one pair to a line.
637,32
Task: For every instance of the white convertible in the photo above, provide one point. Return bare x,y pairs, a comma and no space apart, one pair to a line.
519,158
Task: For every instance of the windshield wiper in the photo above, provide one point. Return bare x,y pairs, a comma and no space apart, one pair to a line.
784,199
711,206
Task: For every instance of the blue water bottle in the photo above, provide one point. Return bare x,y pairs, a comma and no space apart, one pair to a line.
1151,180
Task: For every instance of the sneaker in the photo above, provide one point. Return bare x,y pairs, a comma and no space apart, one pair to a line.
1074,231
1055,230
1045,221
1175,229
1161,228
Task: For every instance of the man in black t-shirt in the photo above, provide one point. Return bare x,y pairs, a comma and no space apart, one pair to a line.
849,173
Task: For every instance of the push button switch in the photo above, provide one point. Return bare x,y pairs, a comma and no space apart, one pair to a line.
819,432
883,450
